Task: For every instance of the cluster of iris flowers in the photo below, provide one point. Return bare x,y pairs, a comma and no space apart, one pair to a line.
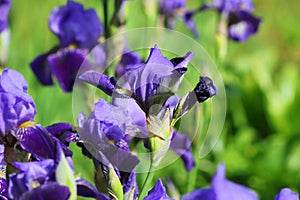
35,160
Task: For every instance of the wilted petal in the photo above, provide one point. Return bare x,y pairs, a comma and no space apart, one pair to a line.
74,25
242,25
158,192
287,194
65,65
181,145
227,190
105,83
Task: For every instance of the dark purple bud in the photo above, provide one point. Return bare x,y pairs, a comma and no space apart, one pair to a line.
105,83
74,25
158,192
205,89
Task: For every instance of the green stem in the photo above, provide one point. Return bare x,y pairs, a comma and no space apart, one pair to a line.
106,21
192,176
147,182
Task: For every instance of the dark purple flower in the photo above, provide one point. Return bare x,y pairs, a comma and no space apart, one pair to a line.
4,10
74,25
287,194
16,106
181,145
65,65
103,135
221,188
158,192
242,25
205,89
177,8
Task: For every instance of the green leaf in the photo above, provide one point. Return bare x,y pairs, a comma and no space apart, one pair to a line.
64,176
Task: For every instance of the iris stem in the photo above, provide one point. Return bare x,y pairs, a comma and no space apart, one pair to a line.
106,21
192,176
148,181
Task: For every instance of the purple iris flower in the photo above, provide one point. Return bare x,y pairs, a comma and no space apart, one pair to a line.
157,79
74,25
238,14
104,135
158,192
4,10
222,189
36,179
16,105
77,27
287,194
177,8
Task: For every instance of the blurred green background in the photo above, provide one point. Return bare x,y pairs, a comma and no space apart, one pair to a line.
260,142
